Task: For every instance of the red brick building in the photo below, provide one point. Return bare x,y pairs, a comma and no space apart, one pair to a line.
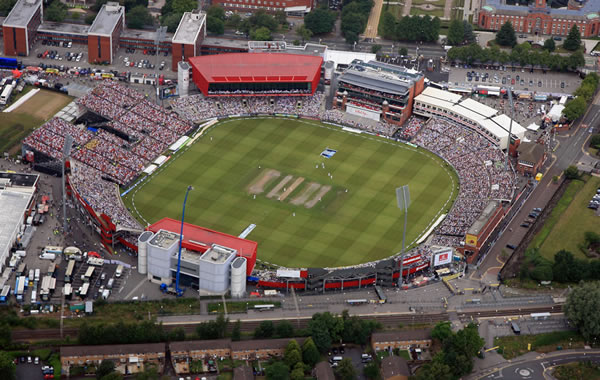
481,229
20,27
540,19
105,32
188,37
530,158
291,7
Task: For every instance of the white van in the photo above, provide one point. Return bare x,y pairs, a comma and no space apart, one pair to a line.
337,358
48,256
119,271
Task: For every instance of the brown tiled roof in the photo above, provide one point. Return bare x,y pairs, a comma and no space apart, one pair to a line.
400,336
530,152
262,344
196,345
243,373
115,349
394,366
323,371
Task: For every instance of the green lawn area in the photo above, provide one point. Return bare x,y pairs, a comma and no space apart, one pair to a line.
15,127
439,12
577,370
516,345
572,220
238,307
439,3
344,228
564,202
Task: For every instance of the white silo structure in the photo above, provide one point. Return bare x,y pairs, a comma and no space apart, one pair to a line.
183,78
143,251
238,277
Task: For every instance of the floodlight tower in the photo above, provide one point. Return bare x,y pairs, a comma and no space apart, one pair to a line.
66,153
177,289
403,199
512,115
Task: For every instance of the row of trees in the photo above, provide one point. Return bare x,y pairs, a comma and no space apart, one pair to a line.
355,14
460,32
582,310
410,28
126,333
326,328
566,268
521,54
576,107
296,361
456,357
172,12
506,36
320,21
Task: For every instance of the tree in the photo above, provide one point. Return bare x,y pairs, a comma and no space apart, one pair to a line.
460,349
542,272
177,334
437,369
130,4
284,329
277,371
98,4
6,335
575,108
292,355
310,353
57,11
456,32
6,6
346,370
573,40
7,366
181,6
403,51
261,34
236,332
550,45
114,376
320,334
582,308
595,141
442,331
469,35
320,21
375,48
280,17
388,25
506,35
304,33
215,25
171,21
216,12
150,372
297,372
234,21
571,173
106,367
264,330
371,371
138,17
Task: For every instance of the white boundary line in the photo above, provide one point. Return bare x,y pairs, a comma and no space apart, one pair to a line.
432,156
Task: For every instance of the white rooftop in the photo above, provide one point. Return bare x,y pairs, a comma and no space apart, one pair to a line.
504,122
107,19
13,204
434,101
480,108
191,24
441,94
22,12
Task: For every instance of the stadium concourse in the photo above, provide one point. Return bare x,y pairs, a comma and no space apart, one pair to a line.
123,133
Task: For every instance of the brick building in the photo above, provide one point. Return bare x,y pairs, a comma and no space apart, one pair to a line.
104,34
290,7
405,339
540,19
20,27
188,37
530,158
481,229
260,349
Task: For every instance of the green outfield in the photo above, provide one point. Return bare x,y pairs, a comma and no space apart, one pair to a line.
310,211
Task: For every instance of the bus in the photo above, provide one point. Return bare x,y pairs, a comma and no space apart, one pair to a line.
68,291
357,302
52,270
5,294
266,307
380,294
83,291
16,285
37,275
88,274
20,289
70,270
8,63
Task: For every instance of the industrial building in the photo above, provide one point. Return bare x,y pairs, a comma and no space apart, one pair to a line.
256,74
540,18
211,262
378,91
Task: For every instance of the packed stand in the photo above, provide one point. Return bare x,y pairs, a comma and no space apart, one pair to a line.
407,131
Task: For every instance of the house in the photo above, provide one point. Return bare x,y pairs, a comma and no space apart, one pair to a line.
394,368
531,157
403,339
260,349
243,373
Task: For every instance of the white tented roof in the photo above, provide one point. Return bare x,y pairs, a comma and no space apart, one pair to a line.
480,108
504,122
556,112
434,102
533,127
442,95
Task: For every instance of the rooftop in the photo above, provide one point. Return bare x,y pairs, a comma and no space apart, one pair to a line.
262,344
164,239
218,254
149,35
530,152
589,10
401,336
243,373
189,27
112,350
483,218
107,19
20,179
226,42
374,81
394,366
22,12
199,345
13,205
257,67
61,27
238,262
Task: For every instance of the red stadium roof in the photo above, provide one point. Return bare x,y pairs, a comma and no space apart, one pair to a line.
257,67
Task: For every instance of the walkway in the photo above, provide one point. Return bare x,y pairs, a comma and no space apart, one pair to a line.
373,23
407,6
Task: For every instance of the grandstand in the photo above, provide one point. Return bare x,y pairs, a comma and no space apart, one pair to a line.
378,91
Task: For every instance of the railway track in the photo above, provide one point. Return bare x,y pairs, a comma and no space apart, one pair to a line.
387,320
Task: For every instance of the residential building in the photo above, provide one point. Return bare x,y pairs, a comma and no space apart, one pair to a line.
394,368
530,158
403,339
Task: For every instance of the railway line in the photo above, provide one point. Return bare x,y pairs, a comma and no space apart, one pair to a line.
248,325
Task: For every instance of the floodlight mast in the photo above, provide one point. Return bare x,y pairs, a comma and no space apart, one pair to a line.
178,290
403,199
66,153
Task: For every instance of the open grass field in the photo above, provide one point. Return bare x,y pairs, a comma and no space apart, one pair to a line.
576,219
16,125
309,210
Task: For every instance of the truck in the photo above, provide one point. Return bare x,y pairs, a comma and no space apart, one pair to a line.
105,294
48,256
95,261
37,275
166,289
20,289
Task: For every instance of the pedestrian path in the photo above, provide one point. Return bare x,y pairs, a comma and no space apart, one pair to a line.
373,23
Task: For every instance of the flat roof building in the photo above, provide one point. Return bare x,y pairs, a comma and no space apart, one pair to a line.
481,229
19,28
104,34
188,37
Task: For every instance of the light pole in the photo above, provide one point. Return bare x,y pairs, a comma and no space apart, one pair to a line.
512,116
403,199
177,289
160,35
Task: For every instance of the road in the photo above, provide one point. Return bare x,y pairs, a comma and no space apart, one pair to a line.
534,366
567,153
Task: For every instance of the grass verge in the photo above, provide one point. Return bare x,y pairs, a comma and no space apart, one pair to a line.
238,307
515,345
577,370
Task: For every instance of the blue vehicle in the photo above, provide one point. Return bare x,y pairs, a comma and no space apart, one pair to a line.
9,63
